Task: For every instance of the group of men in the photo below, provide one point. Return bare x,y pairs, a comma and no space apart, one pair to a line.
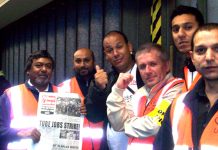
139,104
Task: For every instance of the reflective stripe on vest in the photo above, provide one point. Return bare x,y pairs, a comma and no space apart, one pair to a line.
181,118
203,147
23,102
153,109
22,122
208,147
23,113
92,133
140,146
17,96
179,107
182,147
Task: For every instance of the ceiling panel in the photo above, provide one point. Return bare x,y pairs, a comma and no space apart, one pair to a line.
15,9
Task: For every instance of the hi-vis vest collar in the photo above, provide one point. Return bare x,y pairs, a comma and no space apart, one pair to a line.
181,119
156,108
191,78
92,133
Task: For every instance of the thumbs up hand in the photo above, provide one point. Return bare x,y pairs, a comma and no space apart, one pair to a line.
101,78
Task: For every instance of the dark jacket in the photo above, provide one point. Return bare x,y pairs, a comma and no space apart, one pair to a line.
83,84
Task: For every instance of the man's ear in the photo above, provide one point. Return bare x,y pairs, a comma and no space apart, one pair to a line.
130,47
191,56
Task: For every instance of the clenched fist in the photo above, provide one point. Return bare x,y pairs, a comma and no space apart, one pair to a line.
123,80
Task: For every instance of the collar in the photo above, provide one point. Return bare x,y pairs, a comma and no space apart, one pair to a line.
33,87
200,88
189,64
197,91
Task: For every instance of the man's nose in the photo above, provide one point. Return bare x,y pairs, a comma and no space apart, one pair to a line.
83,63
148,69
115,52
209,54
181,32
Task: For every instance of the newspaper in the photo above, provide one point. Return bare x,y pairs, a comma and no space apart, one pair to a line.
59,121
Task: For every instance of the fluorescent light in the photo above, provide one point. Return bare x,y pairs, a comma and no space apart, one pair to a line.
2,2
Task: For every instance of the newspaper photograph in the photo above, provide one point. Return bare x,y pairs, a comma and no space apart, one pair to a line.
59,121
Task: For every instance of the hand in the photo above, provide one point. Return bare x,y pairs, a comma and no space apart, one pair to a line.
101,78
123,80
83,109
32,133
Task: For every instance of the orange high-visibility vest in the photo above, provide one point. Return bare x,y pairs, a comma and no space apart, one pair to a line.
181,120
191,78
92,132
147,143
23,112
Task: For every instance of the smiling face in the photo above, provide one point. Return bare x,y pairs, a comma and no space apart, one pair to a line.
205,53
117,52
183,27
40,72
151,67
83,63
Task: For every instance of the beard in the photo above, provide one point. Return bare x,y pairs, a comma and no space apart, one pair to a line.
38,82
84,72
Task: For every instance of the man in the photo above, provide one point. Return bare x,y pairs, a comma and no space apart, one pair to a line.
184,22
191,123
18,104
83,65
142,119
4,83
118,52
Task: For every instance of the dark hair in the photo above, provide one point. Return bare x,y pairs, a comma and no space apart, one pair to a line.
180,10
147,47
118,32
38,54
205,27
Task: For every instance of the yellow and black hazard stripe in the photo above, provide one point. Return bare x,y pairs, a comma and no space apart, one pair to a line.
156,21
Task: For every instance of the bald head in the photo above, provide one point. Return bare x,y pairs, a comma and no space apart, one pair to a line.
83,62
85,50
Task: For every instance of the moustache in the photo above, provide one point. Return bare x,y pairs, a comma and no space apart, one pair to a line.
44,75
83,68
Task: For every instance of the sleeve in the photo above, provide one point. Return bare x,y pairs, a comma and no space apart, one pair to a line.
7,134
149,125
4,85
117,110
95,102
164,138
